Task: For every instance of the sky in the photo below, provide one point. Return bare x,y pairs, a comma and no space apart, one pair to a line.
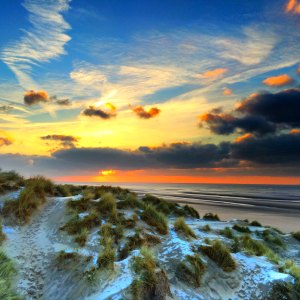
151,91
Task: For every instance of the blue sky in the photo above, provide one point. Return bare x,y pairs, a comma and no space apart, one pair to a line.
138,69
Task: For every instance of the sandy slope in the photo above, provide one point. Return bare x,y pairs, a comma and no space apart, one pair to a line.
33,247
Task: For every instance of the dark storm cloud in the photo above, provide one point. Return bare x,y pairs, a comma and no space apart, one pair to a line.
272,155
227,124
97,112
65,140
280,108
260,114
278,149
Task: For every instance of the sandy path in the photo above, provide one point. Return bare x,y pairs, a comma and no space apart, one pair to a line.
31,249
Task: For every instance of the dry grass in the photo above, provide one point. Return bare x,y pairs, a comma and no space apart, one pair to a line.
211,217
7,275
227,232
107,257
182,227
156,219
243,229
191,270
76,224
220,255
82,237
296,235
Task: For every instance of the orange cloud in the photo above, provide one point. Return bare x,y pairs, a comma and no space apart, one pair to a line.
244,137
142,113
280,80
214,74
35,97
298,70
292,6
227,92
295,131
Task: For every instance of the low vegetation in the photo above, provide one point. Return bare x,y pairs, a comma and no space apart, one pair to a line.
2,235
243,229
136,241
255,223
150,282
211,217
191,270
7,276
227,232
155,218
206,228
220,254
296,235
182,227
30,199
77,224
10,181
272,239
254,247
82,237
107,256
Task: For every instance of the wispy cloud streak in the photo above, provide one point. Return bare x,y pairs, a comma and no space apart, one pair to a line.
44,41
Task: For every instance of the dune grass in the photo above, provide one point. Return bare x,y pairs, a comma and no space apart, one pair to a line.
156,219
243,229
206,228
107,206
144,266
255,247
211,217
30,199
7,276
272,239
82,237
255,223
136,241
296,235
62,190
130,201
182,227
2,235
79,206
76,224
191,270
220,255
10,181
227,232
107,256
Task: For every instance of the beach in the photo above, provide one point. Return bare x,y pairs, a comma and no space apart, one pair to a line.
271,205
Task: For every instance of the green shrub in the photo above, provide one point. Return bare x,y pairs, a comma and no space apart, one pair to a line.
227,232
156,219
255,223
107,205
82,237
191,270
7,276
211,217
296,235
182,227
190,211
2,235
243,229
206,228
62,190
76,224
220,255
107,257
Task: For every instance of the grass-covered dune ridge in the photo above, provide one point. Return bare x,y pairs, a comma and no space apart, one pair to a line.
102,242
